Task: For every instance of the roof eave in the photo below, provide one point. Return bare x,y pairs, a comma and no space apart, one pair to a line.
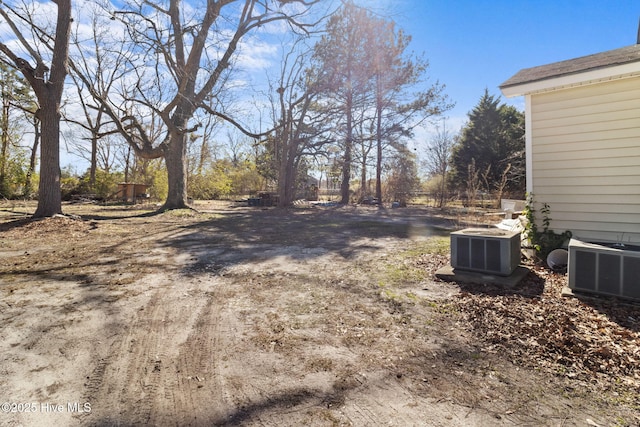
582,78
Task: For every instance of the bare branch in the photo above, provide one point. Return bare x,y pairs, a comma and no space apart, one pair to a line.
235,123
17,33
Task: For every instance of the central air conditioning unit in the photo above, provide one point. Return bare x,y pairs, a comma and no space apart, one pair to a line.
486,250
605,268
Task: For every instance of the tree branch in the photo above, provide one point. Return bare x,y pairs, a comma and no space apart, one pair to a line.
235,123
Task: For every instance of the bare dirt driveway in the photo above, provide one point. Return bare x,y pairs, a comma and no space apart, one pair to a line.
311,316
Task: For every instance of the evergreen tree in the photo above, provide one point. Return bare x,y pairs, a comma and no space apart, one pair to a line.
493,139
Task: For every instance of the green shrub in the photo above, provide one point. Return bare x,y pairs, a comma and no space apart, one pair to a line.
546,240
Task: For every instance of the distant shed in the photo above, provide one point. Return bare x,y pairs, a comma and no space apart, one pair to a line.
583,142
130,192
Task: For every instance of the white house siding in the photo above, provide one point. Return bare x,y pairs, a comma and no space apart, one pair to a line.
585,159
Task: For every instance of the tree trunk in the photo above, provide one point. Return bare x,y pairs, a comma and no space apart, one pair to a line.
47,81
49,194
5,145
346,165
363,177
175,159
204,154
379,155
443,189
281,153
346,174
127,162
94,160
292,173
32,157
287,173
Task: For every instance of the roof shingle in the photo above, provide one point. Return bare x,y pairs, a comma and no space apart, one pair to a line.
610,58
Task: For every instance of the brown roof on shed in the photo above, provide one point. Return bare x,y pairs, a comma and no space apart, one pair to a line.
574,66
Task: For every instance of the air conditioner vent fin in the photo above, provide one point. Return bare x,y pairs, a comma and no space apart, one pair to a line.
492,251
604,269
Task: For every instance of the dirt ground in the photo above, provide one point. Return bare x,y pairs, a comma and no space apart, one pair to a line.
325,316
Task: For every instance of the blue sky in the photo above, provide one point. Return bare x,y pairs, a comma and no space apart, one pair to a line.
476,44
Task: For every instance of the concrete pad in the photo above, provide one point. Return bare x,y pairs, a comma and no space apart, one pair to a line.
450,274
567,292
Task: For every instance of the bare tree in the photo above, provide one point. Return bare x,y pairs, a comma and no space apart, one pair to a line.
236,146
297,124
366,141
502,184
403,176
46,75
438,160
102,71
177,57
473,183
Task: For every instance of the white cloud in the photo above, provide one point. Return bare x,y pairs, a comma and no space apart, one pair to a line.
255,54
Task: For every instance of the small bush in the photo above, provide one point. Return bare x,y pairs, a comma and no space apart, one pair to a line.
546,240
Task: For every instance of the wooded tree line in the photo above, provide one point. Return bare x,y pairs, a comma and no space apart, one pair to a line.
153,82
486,159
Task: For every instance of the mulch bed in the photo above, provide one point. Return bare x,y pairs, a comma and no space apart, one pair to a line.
594,340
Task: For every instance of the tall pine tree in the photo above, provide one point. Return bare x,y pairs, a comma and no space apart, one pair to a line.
344,59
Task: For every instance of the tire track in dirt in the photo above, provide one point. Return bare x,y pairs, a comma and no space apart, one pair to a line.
195,392
383,400
161,370
121,385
